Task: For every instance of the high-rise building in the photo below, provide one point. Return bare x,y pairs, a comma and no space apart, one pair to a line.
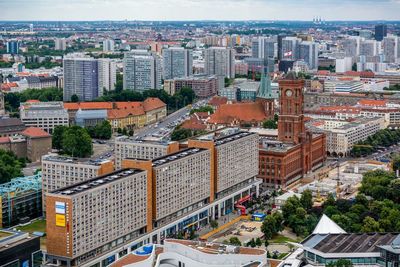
108,45
290,47
350,47
280,39
107,74
203,86
81,78
60,44
177,62
264,47
368,48
220,61
308,51
2,105
142,71
391,47
149,200
12,47
380,32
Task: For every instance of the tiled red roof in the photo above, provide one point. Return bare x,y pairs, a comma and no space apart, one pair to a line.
153,103
128,105
243,112
35,132
88,105
373,103
124,113
216,101
194,124
4,140
32,101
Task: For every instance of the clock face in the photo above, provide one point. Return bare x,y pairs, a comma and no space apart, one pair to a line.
289,93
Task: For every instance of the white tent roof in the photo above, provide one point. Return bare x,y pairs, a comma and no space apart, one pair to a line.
327,226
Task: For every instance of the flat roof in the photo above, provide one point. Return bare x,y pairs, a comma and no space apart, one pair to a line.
10,239
176,156
96,182
132,140
232,137
349,243
65,159
216,248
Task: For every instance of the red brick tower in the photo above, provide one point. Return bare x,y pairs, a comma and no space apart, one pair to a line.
291,127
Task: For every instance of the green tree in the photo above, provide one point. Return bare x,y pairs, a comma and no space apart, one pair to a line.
258,242
203,109
270,124
102,130
74,98
57,136
214,224
76,142
119,85
235,241
370,225
340,263
306,199
10,166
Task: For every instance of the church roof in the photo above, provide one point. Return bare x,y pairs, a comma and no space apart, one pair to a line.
291,75
265,90
327,226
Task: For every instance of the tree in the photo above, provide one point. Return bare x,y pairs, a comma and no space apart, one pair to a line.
272,225
340,263
235,241
270,124
214,224
57,136
119,85
208,109
76,142
251,243
10,166
102,130
370,225
306,199
258,242
74,98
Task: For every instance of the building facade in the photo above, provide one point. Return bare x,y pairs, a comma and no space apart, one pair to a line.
202,86
107,75
177,62
220,61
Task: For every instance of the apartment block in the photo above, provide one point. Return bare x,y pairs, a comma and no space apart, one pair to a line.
44,115
79,224
127,147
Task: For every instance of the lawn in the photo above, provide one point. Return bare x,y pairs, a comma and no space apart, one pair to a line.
36,226
282,239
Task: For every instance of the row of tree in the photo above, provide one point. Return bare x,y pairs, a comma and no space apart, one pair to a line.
383,138
208,109
180,133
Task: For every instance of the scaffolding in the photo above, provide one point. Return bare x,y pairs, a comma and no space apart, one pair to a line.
22,195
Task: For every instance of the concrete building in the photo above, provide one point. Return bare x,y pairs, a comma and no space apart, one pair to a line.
368,48
391,49
220,61
308,51
126,147
350,47
108,45
81,78
60,44
344,64
380,32
264,47
177,62
142,71
2,105
290,48
11,126
87,118
203,86
44,115
107,75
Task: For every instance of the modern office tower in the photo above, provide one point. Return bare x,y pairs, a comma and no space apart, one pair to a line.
81,78
177,62
90,218
142,71
60,44
380,32
264,47
391,47
108,45
44,115
308,51
280,39
368,48
126,147
107,74
12,47
289,48
203,86
350,47
220,61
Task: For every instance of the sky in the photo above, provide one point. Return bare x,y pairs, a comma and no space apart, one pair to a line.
199,9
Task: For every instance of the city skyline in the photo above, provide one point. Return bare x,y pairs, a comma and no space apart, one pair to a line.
62,10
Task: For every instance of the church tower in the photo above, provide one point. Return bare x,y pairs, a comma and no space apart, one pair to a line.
291,128
264,96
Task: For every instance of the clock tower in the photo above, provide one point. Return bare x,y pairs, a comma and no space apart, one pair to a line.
291,128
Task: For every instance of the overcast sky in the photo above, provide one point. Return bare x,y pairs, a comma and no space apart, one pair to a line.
199,9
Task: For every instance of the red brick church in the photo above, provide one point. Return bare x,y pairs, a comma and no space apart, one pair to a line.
295,151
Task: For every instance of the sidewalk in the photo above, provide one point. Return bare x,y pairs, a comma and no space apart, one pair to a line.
222,227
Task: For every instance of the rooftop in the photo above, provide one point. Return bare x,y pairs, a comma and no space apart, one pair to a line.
35,132
64,159
216,248
232,137
349,243
10,239
96,182
128,139
176,156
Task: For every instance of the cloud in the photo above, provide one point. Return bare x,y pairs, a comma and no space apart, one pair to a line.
199,9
